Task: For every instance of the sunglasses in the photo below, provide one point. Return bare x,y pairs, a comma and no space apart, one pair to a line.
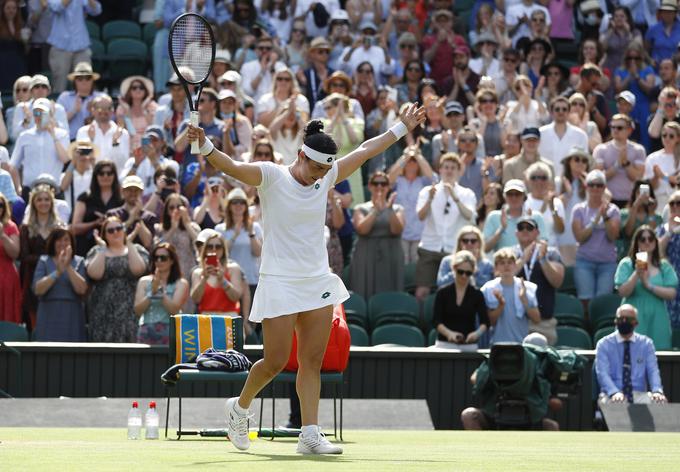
580,160
238,202
560,109
325,52
514,194
466,273
538,20
407,46
414,69
669,105
487,100
161,258
595,185
19,90
578,104
114,229
646,239
283,79
338,84
264,48
380,183
137,87
668,135
674,203
510,59
84,77
467,140
105,173
41,86
539,177
469,240
525,227
634,58
213,246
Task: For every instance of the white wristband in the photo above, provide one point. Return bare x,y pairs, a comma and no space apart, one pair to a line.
399,129
207,147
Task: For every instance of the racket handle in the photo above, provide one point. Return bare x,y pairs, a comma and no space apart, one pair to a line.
193,119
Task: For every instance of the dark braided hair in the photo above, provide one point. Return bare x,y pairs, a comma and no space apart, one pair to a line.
316,139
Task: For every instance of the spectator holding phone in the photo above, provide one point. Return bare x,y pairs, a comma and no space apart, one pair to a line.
216,285
641,210
177,229
77,177
160,295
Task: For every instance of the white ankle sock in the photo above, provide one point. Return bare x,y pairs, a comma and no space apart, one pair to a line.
239,409
309,429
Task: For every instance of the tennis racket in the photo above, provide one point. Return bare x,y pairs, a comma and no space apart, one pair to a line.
191,45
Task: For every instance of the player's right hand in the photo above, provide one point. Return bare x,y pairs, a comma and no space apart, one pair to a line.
195,133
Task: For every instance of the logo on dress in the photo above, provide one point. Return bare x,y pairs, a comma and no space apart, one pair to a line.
330,159
326,295
316,186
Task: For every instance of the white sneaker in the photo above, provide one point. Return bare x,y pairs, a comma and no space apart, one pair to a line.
237,426
316,443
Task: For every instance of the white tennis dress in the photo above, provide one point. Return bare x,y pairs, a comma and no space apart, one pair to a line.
294,273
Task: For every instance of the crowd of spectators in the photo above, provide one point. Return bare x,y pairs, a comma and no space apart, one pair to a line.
552,141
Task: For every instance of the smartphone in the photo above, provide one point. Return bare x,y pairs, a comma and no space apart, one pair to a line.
211,259
644,189
146,141
170,181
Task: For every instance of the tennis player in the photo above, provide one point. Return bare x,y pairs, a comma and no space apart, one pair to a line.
297,290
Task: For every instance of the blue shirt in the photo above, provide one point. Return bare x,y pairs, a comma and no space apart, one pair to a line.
68,24
510,327
407,197
173,8
472,177
67,100
347,229
7,185
509,235
609,364
663,46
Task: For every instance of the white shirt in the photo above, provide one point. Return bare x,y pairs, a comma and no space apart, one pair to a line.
288,145
555,149
302,9
293,220
515,12
18,127
253,69
104,141
80,183
666,163
35,152
444,221
375,55
535,205
146,170
492,70
519,117
267,103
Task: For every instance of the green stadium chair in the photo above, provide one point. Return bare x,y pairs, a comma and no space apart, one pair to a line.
601,333
602,310
12,332
574,338
432,337
189,336
7,99
402,335
463,5
568,285
126,57
93,29
428,312
569,310
393,307
356,311
676,340
121,29
98,55
410,277
253,338
149,34
345,275
358,335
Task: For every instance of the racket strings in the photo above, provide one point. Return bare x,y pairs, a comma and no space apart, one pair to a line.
191,45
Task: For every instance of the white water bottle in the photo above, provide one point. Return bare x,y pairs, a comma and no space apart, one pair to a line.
151,422
134,422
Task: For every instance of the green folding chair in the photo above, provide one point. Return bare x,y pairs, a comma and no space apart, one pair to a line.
601,333
573,338
568,284
394,333
569,310
602,310
358,335
149,34
12,332
393,307
93,29
410,277
432,337
126,57
121,29
356,310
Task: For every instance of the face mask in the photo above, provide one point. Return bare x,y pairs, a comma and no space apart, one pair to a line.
592,19
625,327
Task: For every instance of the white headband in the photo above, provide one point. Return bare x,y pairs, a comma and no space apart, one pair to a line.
320,157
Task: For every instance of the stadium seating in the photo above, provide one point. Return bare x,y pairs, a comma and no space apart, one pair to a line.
432,337
121,29
569,310
12,332
428,312
356,311
93,29
126,57
601,333
189,336
358,335
573,337
568,284
394,333
676,340
410,277
149,34
393,307
602,310
98,55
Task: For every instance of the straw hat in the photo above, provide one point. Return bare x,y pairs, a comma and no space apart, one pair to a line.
127,82
83,69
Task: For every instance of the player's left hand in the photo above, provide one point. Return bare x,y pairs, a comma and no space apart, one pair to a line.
413,116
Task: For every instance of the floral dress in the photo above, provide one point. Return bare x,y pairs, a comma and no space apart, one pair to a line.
110,307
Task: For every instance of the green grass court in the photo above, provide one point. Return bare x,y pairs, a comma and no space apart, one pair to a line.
73,449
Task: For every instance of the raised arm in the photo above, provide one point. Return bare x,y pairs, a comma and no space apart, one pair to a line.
249,174
413,116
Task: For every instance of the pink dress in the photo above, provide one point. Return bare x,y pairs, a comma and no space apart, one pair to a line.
10,284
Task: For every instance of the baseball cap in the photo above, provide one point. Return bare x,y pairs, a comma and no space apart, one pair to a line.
462,49
453,106
42,104
529,220
39,79
223,56
230,76
319,43
237,193
206,234
132,181
367,24
174,79
339,15
514,184
531,133
45,179
154,131
215,180
226,93
596,175
627,96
